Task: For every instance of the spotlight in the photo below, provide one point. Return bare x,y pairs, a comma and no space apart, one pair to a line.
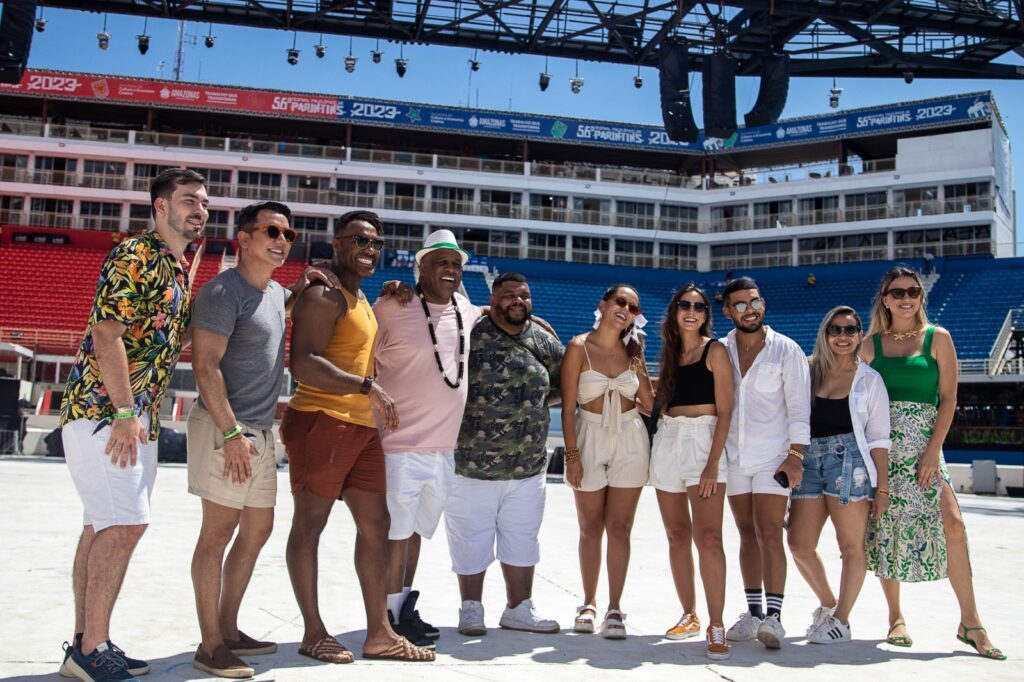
320,51
545,81
40,25
143,44
376,56
209,40
474,65
576,84
103,39
293,56
638,81
833,97
350,63
908,77
400,66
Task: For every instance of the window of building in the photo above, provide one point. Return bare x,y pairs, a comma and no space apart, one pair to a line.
13,167
848,248
403,236
591,211
673,256
818,210
551,207
633,252
967,196
311,227
139,217
11,209
730,218
867,206
218,181
500,204
634,214
769,214
752,255
99,215
259,186
953,241
915,201
545,246
219,224
143,175
678,218
307,189
590,249
482,242
404,196
452,199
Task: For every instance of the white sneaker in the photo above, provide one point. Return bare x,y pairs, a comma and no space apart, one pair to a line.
471,619
820,616
830,632
523,617
771,633
744,629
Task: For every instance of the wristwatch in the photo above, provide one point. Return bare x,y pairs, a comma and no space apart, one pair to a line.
367,383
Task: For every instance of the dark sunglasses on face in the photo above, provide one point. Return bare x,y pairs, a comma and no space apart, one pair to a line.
755,304
273,231
376,245
687,305
837,330
633,308
898,294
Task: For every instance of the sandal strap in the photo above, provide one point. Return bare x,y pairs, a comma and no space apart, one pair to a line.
967,629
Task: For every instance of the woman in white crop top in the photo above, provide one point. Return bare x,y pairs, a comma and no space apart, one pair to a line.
607,448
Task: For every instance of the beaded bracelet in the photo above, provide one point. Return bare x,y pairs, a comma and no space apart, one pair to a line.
124,413
796,453
572,455
234,432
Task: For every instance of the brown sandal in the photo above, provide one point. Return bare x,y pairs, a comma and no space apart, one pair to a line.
328,650
402,650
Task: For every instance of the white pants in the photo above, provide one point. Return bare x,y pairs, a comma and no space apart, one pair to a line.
112,496
478,512
418,486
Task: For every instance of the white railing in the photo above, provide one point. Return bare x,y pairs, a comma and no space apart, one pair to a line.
998,353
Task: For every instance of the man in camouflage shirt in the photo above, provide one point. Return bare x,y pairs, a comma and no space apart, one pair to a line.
500,459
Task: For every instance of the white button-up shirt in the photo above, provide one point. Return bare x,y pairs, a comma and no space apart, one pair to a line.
869,413
771,404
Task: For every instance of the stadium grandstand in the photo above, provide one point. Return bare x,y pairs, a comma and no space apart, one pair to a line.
575,205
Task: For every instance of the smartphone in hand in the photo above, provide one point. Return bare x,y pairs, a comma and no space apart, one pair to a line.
781,478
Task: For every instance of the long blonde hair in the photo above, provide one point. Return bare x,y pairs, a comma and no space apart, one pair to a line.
881,318
823,360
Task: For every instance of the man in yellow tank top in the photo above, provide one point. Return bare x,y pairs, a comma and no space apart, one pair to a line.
334,449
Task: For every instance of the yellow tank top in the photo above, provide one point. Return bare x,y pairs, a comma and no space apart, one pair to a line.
351,350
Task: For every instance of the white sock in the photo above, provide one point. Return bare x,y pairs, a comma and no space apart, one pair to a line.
405,593
395,604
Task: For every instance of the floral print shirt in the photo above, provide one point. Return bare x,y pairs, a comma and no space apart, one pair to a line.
144,287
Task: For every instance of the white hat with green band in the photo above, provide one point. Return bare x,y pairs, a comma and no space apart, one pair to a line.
442,239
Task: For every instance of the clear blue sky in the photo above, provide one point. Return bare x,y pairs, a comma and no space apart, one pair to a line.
441,75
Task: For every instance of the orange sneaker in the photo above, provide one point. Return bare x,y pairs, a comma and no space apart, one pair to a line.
718,648
688,626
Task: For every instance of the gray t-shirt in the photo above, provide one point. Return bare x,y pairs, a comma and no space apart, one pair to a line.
254,322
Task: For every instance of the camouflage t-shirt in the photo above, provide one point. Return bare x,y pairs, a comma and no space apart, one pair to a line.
505,425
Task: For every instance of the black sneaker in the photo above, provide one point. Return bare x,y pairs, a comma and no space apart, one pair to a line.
102,665
410,614
410,632
135,665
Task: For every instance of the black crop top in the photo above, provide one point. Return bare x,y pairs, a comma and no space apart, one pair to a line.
830,417
694,383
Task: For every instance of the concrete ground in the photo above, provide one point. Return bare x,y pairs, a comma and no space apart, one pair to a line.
155,616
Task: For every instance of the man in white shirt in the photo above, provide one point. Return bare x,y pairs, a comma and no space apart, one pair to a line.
421,355
770,427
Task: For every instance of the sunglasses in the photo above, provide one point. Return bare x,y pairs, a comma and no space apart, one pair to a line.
633,308
755,304
273,231
838,330
696,307
898,294
376,245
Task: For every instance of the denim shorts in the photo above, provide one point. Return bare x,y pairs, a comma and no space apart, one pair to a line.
833,466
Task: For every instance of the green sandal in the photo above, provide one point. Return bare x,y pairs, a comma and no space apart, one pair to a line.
992,653
899,640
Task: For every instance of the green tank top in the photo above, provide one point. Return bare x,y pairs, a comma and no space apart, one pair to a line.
912,379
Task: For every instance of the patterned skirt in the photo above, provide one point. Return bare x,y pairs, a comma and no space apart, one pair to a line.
908,543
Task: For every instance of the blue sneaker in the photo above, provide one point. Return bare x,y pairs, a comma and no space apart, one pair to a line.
135,665
102,665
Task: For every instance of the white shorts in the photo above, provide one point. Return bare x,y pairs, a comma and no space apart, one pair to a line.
759,480
680,452
619,459
477,511
418,486
112,496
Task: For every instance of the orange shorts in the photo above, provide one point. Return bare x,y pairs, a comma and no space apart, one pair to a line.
327,455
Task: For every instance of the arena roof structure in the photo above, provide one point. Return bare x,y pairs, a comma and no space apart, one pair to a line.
822,38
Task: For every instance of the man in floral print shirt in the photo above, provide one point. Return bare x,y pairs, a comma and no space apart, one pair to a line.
111,410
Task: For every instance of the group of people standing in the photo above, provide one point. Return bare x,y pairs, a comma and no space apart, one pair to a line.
409,410
853,435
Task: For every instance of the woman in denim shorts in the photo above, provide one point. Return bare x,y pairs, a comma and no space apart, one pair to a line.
845,469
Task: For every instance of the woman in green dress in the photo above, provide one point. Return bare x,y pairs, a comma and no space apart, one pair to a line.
921,536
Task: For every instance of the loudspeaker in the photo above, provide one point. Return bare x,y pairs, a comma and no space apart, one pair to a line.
719,95
15,38
772,93
673,79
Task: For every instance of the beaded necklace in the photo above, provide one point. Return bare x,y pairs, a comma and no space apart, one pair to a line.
433,339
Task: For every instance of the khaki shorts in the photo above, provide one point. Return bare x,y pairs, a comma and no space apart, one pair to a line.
206,465
612,458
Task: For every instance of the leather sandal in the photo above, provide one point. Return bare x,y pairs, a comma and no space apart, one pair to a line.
584,622
991,653
614,626
899,640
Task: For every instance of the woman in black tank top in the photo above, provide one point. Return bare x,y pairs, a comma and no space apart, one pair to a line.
688,461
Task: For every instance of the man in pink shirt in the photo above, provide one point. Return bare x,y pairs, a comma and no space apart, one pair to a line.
421,354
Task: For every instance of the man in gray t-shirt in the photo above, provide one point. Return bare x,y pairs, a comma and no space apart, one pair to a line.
238,332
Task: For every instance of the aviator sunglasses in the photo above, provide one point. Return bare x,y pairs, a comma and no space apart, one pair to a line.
755,304
633,308
376,245
898,294
698,307
273,231
837,330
